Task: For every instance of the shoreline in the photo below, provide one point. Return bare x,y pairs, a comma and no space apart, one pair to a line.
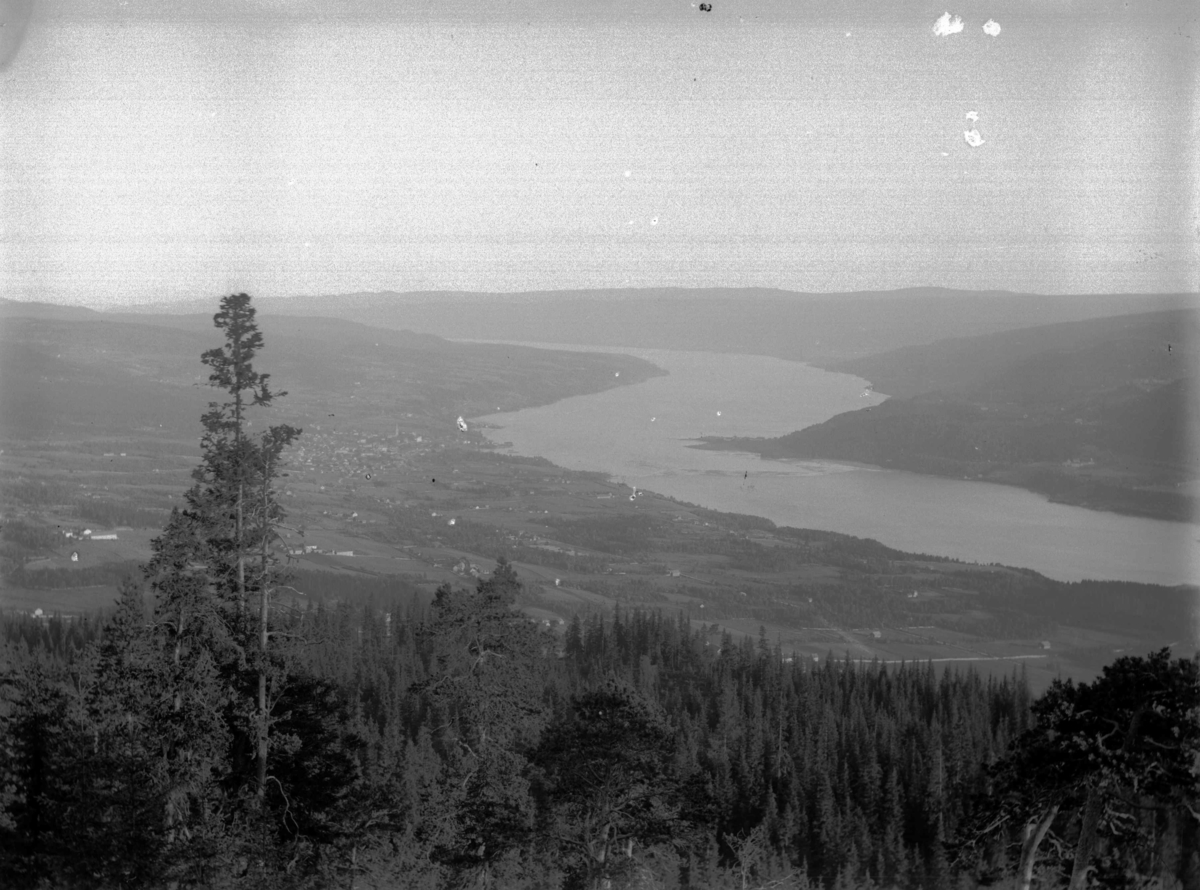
1177,514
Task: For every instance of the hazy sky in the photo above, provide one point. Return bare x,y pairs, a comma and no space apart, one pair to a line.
150,154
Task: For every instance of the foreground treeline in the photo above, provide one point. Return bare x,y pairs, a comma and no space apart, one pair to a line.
470,747
209,734
472,744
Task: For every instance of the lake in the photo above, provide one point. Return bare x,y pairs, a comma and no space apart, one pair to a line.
640,435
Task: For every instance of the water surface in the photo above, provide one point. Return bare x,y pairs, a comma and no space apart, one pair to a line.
640,435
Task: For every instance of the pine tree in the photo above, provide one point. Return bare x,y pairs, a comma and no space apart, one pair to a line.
125,786
152,769
1101,752
39,744
486,683
607,788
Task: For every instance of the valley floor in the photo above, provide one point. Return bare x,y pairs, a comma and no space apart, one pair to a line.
434,507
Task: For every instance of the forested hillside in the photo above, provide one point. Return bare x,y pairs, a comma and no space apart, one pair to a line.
1045,363
861,773
65,371
1100,413
426,749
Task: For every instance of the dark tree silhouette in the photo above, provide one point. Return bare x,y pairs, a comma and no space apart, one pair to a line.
608,784
485,686
1099,754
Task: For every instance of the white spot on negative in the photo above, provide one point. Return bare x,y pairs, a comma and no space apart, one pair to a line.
947,25
973,138
991,28
973,115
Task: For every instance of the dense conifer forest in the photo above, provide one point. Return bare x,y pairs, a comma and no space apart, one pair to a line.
210,732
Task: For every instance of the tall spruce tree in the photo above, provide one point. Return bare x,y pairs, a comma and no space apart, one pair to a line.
236,501
220,554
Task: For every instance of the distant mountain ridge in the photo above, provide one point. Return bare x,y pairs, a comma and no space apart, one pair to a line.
809,327
1101,413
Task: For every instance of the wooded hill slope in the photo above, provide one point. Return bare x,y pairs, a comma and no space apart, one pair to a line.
65,369
1100,413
